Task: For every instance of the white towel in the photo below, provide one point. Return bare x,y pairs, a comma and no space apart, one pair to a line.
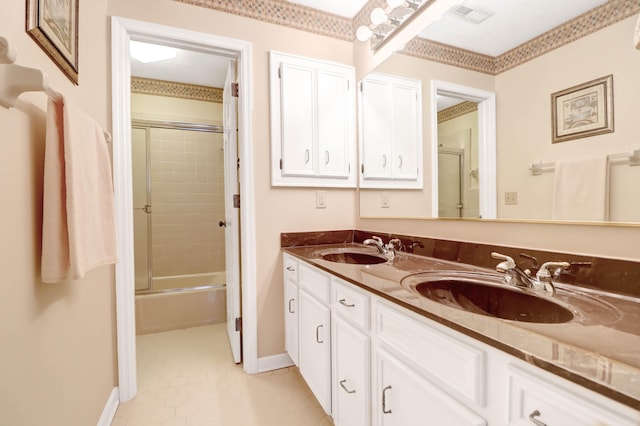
78,230
580,190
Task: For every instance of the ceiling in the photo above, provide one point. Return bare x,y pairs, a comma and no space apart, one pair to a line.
522,20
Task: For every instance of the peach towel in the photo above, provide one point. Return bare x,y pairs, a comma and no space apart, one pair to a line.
580,190
78,225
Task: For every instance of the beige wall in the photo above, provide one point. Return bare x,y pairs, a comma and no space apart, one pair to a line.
57,361
277,209
524,121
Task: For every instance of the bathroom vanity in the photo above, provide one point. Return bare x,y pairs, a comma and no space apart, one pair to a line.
377,347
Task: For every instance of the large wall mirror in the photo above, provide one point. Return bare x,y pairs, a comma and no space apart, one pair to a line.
492,47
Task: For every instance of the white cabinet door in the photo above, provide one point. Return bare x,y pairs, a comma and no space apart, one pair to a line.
375,129
315,347
405,132
297,103
334,128
391,132
351,371
291,319
403,397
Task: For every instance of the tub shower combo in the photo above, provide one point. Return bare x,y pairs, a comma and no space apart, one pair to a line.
178,199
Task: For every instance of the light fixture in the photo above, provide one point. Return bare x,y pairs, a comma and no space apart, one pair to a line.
147,52
385,21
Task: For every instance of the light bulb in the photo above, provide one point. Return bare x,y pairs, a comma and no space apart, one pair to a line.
363,33
392,4
378,16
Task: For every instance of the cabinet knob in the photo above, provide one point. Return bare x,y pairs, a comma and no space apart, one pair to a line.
532,418
342,385
384,161
290,268
384,400
222,224
400,161
291,311
318,334
343,302
326,157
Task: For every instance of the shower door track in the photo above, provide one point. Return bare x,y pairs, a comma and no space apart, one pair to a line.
172,125
178,125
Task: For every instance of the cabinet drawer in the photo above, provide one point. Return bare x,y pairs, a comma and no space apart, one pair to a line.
314,281
449,362
352,304
290,266
534,398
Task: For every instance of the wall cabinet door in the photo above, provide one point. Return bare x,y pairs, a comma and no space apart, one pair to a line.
297,109
351,372
403,397
390,132
315,347
312,122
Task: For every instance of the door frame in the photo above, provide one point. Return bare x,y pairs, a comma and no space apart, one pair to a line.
122,31
486,142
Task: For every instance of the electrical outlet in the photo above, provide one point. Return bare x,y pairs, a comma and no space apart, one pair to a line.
385,203
510,198
321,199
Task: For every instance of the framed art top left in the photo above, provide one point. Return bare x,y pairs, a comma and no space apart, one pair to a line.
53,24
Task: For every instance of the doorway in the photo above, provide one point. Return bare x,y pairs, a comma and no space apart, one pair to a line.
123,31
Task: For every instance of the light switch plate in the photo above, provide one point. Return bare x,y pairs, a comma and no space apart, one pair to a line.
510,198
321,199
385,203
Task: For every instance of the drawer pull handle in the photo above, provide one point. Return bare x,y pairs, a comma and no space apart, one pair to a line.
291,311
535,421
342,382
318,334
384,400
291,268
343,302
306,156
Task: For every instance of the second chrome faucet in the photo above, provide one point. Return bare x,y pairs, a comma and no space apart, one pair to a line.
514,275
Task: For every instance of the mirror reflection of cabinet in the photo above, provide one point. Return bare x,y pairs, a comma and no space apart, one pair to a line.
390,132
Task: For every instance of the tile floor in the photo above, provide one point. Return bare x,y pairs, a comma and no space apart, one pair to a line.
187,377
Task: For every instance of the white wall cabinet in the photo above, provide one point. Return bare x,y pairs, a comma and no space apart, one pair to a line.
312,122
390,132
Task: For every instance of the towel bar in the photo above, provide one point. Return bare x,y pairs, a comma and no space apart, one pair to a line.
17,79
633,157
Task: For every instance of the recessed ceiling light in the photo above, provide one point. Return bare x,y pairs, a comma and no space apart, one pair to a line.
146,52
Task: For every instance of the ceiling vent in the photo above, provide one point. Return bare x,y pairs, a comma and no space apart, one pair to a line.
468,14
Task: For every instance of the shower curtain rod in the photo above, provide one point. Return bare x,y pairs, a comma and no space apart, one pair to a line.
177,125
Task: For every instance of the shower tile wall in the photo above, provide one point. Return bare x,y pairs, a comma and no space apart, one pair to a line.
187,195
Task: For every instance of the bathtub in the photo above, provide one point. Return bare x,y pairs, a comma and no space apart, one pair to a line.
188,301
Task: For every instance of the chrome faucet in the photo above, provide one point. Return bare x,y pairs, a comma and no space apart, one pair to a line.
543,281
388,250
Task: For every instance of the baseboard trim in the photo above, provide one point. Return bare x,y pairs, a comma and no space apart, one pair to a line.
109,411
274,362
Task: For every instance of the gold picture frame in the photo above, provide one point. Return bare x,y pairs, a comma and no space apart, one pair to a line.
53,24
583,110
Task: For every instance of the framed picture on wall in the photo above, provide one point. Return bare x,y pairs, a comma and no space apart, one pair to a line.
53,24
583,110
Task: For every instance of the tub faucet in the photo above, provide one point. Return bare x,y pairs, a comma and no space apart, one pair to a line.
519,278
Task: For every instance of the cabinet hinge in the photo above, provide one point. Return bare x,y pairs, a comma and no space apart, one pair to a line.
239,324
281,164
361,84
236,201
280,71
234,89
362,168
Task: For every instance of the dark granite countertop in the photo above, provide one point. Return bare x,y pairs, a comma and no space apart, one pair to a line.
599,352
